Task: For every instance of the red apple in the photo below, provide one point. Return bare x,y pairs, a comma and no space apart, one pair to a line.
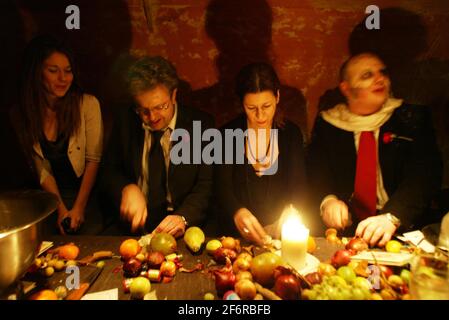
341,258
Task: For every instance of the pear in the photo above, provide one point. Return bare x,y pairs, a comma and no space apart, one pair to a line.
194,238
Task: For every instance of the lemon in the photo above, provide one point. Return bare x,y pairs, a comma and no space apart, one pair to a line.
393,246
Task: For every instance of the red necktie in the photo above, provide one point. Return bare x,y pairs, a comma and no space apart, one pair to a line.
365,197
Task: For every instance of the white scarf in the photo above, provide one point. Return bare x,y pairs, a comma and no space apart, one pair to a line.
340,117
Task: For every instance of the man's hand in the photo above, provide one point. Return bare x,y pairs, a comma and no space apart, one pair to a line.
172,224
133,207
376,228
335,214
249,227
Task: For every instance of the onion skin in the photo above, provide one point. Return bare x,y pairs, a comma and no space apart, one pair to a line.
287,287
221,254
357,244
314,278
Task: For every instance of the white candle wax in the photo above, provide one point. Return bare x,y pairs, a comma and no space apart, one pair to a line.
294,241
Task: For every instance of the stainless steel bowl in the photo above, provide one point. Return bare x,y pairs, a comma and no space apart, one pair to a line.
21,216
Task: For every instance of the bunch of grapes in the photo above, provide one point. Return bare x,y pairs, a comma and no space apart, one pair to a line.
337,288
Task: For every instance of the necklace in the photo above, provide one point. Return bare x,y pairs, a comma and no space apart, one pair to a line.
263,159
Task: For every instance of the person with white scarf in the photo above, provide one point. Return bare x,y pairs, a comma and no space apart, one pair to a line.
406,163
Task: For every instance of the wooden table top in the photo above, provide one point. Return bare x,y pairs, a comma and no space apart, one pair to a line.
185,286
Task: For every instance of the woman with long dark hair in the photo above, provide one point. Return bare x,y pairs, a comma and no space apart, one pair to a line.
59,127
254,193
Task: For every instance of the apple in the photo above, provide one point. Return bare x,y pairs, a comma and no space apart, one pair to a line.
139,287
263,266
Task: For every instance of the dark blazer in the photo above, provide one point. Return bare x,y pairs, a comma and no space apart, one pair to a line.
411,170
189,184
286,186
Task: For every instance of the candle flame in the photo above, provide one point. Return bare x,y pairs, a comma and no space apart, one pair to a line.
292,226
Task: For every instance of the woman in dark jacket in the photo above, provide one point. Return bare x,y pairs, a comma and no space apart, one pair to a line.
270,175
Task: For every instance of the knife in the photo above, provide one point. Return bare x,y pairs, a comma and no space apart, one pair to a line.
77,294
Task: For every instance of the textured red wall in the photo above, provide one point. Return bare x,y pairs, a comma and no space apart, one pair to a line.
209,41
309,38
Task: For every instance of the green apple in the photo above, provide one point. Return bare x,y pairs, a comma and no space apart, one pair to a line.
139,287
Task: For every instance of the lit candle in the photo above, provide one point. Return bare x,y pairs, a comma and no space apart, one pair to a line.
294,239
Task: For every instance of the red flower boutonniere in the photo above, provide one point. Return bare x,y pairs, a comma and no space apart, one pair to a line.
388,137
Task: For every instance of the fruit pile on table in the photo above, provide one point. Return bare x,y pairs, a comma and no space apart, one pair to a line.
241,272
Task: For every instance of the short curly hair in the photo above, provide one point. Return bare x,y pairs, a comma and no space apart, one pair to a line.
149,72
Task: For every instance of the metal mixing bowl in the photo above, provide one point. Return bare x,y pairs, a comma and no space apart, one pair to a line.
21,216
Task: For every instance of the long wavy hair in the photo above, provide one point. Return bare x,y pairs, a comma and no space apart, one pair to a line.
33,100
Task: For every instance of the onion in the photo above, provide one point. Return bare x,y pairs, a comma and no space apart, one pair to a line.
155,259
245,289
132,267
314,278
357,244
168,268
221,254
224,281
287,287
341,258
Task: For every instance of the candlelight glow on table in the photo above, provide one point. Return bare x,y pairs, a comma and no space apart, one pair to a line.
294,238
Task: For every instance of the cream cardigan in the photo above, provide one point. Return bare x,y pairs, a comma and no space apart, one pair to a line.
86,145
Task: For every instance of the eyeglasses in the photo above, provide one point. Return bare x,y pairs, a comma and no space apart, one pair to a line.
147,111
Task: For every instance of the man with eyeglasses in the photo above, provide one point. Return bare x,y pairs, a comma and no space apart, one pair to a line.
150,192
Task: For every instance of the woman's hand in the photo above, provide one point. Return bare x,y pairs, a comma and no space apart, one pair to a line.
62,214
76,215
249,227
274,229
335,214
